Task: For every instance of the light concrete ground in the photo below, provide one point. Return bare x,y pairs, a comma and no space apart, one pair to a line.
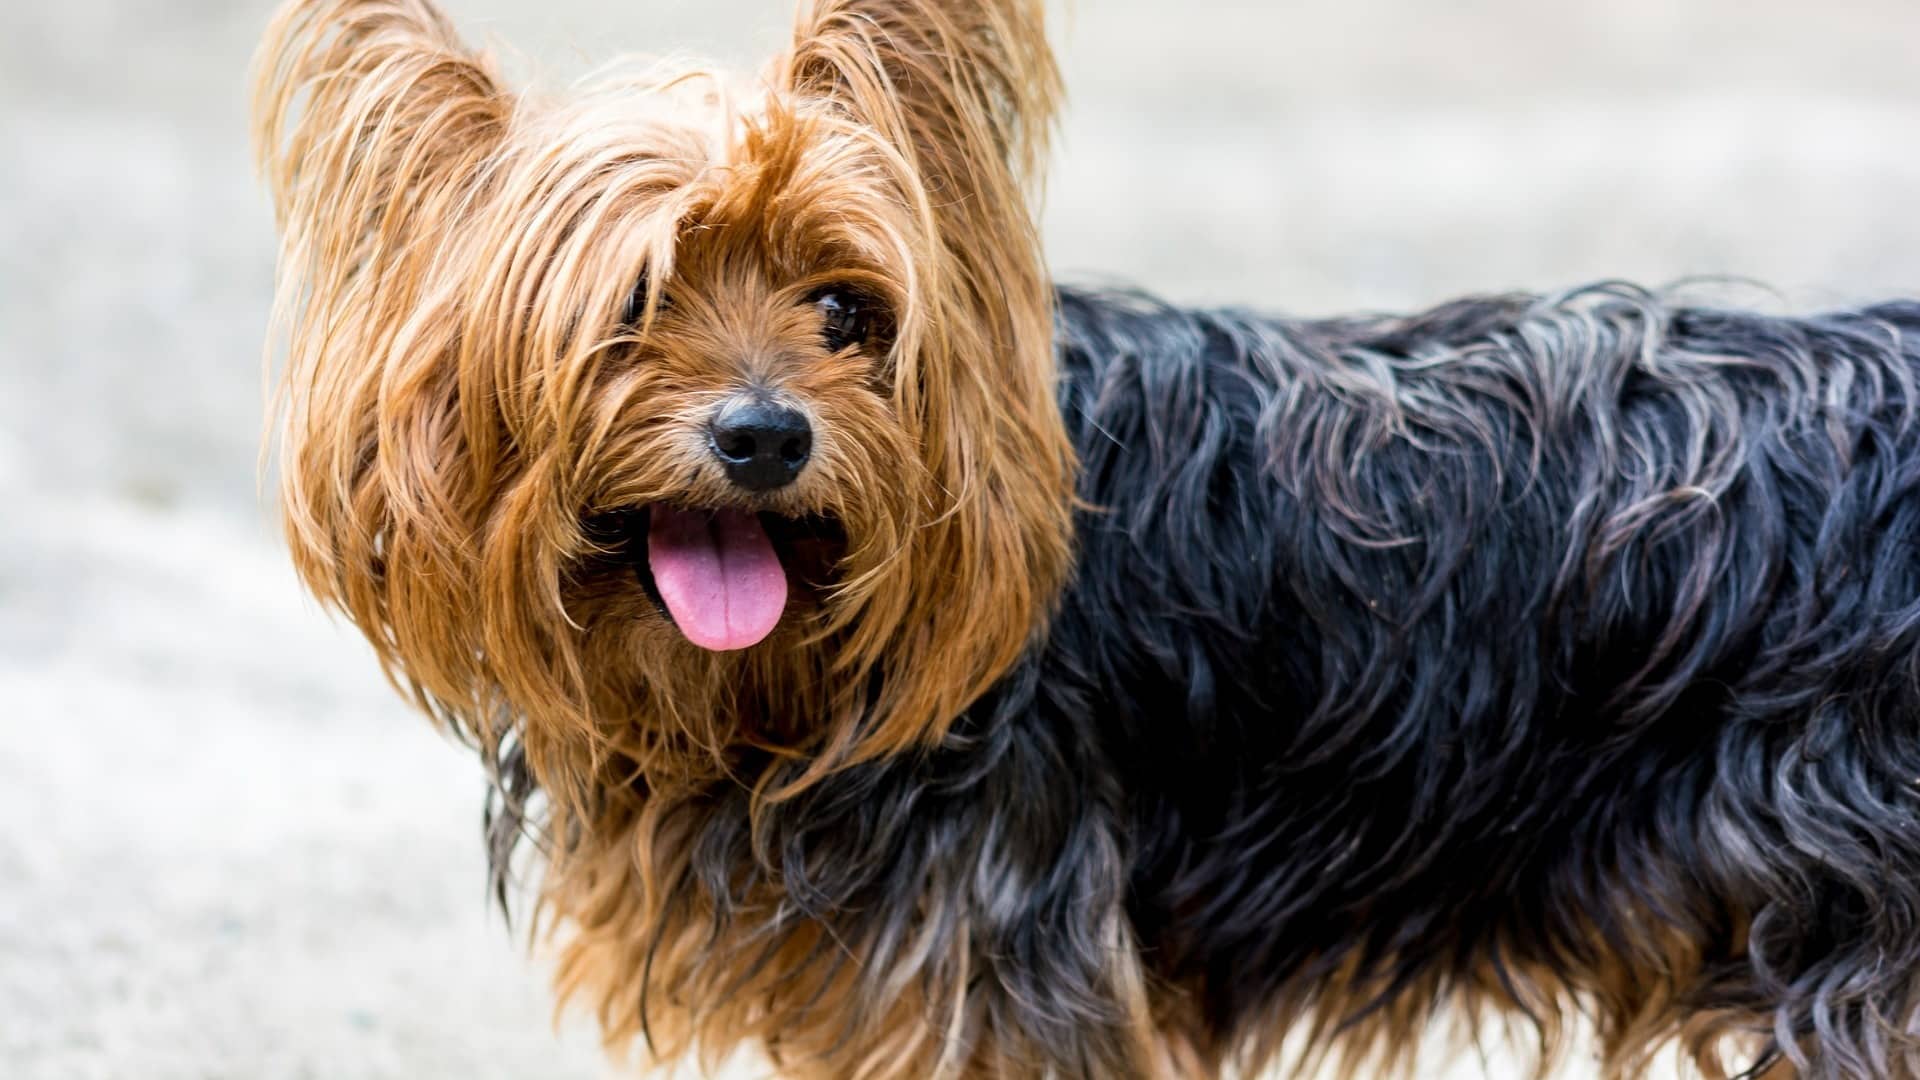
227,852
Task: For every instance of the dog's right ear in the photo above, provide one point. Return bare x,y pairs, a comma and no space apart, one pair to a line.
366,113
375,129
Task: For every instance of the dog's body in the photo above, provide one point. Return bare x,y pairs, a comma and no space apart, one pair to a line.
915,671
1520,646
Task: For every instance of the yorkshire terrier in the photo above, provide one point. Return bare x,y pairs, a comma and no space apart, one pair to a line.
909,668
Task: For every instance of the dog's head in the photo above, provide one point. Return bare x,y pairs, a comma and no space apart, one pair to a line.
667,418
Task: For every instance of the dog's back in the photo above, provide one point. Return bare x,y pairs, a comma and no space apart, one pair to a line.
1520,646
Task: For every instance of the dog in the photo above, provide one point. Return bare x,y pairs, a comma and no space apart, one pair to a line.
899,664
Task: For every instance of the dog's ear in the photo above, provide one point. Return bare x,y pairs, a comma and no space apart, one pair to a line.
961,96
374,127
367,113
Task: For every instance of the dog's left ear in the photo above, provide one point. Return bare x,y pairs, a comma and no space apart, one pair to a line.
960,94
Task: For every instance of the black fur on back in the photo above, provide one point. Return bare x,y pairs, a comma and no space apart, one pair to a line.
1502,629
1527,634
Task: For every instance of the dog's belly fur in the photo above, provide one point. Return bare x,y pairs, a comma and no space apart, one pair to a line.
1524,635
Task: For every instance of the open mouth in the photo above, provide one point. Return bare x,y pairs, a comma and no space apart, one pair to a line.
726,576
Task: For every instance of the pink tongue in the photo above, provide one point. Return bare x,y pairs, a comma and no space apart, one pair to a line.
718,575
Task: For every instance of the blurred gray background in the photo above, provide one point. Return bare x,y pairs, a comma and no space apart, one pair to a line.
227,851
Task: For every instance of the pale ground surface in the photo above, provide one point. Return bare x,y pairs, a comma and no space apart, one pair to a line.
227,852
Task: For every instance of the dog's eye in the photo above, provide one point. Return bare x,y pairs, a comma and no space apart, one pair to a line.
637,304
846,317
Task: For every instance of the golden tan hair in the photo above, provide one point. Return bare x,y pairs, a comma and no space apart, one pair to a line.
462,400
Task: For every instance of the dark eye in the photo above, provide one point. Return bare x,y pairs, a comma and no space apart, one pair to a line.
846,317
637,304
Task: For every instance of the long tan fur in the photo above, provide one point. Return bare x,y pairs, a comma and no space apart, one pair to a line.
461,397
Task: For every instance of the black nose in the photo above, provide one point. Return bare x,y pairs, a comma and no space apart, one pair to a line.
762,445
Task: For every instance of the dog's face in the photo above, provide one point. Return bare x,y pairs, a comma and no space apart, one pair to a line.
747,425
744,466
656,419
